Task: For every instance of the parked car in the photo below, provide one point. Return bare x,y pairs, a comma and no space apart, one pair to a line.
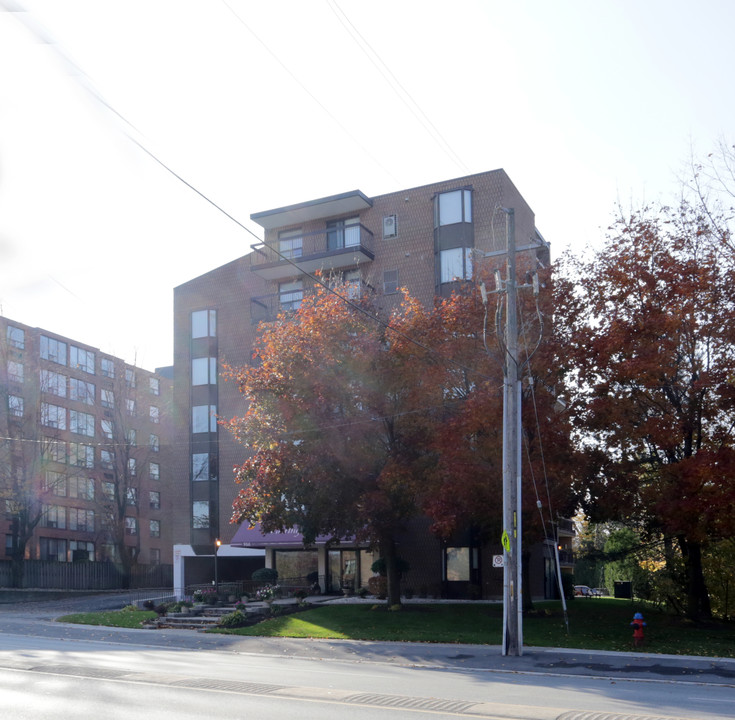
599,592
582,591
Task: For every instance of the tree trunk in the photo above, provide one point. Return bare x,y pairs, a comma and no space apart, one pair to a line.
388,551
698,604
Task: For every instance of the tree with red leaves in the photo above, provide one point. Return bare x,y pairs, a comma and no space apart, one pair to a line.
651,321
337,425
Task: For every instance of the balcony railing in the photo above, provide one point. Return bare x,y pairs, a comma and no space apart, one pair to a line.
328,249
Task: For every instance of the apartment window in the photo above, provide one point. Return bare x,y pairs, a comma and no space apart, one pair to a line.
15,371
54,451
81,455
53,549
81,359
455,264
291,294
107,367
154,471
80,519
106,428
81,487
131,496
16,337
290,243
81,550
154,500
129,377
154,442
204,371
132,471
131,526
55,483
53,350
81,423
154,386
154,528
53,416
155,556
204,418
107,398
54,516
343,233
108,490
352,283
107,459
153,414
130,406
390,282
204,323
453,207
200,467
200,514
15,405
81,391
53,383
131,436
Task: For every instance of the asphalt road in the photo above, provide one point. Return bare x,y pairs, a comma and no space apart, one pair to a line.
682,686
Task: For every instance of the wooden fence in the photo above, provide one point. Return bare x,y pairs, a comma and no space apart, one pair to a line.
48,575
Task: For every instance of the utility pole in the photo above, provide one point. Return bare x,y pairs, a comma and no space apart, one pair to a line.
512,566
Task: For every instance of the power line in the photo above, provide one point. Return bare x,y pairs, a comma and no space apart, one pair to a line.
310,94
414,108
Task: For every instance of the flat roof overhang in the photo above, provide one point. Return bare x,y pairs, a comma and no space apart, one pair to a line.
253,537
331,206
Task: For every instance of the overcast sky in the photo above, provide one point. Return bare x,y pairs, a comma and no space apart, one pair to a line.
264,104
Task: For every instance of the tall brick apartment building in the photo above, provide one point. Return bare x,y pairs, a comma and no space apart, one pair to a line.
84,447
424,238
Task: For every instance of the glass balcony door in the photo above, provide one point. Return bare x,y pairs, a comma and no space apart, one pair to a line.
343,233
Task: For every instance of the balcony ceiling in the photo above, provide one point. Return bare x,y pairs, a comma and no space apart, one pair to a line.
332,206
333,260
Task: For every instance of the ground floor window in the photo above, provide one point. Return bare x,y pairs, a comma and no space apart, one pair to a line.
296,564
457,564
53,549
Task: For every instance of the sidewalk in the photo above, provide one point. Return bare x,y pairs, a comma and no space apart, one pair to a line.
36,619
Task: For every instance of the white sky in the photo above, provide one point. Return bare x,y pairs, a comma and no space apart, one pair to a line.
264,104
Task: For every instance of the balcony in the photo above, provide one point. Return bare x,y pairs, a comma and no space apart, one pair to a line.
265,308
325,250
566,527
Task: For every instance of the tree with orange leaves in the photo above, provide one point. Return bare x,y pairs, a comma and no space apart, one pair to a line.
337,425
651,321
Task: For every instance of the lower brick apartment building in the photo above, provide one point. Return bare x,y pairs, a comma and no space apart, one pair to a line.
422,238
84,448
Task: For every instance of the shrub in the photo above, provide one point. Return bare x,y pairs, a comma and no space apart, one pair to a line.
362,592
268,592
379,566
265,575
233,620
205,595
300,594
378,586
130,608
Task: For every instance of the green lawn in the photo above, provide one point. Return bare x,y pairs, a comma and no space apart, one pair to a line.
111,618
594,624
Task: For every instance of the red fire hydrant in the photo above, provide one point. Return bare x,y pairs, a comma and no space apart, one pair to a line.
638,624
